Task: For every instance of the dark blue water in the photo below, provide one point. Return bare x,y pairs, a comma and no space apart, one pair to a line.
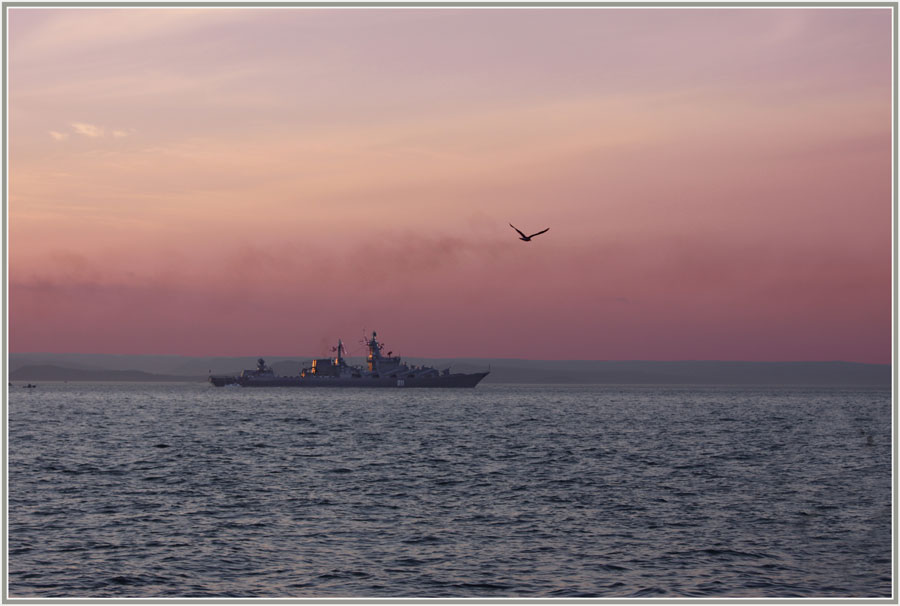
137,490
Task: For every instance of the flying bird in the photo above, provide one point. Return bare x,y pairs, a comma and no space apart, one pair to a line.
525,238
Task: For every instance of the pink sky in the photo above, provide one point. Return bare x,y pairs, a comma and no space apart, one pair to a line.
262,181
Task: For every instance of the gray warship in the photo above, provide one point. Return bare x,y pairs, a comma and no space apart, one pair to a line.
380,371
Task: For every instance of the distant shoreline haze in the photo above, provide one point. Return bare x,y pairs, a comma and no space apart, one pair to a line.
108,367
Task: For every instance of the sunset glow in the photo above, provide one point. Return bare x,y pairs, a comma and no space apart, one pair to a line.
209,181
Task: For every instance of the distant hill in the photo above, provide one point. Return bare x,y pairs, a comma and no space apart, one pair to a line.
102,367
48,372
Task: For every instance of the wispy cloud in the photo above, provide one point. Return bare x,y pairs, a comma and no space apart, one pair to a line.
93,131
87,130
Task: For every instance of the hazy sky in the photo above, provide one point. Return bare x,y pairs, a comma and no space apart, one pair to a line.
262,181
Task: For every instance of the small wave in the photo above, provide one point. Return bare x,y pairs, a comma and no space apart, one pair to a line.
522,422
82,468
733,553
344,574
53,511
541,549
426,540
410,562
572,593
648,591
121,580
19,550
483,585
298,420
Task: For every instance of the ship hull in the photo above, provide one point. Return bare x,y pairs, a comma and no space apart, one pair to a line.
222,381
454,380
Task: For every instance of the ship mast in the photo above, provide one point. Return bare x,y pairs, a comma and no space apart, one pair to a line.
374,352
339,361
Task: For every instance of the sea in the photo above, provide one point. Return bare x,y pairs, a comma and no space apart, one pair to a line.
180,490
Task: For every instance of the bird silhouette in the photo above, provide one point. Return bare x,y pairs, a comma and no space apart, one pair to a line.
525,238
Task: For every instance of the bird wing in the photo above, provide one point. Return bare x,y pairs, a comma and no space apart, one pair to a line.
539,233
517,229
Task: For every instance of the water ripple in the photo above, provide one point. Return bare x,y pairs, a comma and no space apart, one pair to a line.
503,491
